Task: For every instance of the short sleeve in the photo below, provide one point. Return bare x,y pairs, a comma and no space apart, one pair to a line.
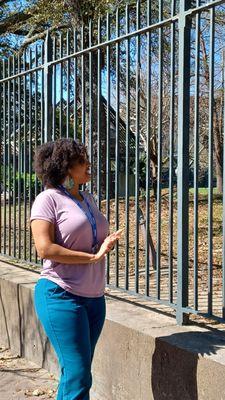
43,208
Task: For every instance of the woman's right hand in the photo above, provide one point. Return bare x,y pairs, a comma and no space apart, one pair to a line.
108,244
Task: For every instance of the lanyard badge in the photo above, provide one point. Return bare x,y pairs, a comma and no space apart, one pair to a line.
90,217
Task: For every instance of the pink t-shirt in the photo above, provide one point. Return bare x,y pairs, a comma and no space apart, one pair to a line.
73,231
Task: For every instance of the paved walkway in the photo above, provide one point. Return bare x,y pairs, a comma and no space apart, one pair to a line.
21,379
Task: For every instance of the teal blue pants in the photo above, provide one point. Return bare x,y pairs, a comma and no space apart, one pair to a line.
73,325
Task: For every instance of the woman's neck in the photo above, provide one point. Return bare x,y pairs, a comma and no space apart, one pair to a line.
75,192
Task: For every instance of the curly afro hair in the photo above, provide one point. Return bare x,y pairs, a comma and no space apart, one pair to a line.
53,159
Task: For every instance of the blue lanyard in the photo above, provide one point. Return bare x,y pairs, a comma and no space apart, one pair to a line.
90,217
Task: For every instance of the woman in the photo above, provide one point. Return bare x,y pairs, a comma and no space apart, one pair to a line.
70,234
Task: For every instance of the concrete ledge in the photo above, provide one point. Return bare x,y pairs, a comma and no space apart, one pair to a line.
141,355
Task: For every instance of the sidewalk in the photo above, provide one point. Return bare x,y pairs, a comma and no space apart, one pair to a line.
21,379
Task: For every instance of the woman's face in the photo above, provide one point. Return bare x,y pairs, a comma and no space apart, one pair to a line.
81,173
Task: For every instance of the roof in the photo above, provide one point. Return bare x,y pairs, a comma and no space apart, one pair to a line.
122,127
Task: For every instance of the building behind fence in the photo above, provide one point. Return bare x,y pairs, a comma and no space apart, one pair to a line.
144,90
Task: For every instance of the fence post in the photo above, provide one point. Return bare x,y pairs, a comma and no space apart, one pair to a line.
48,89
183,162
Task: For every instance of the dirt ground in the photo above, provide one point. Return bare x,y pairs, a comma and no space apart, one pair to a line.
21,379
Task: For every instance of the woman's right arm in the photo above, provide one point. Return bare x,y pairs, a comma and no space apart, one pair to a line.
43,234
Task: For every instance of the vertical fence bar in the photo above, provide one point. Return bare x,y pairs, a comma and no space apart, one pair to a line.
83,106
35,127
19,244
4,157
75,86
61,87
36,112
223,300
54,90
183,162
83,95
196,157
14,160
148,134
30,152
68,86
171,152
137,168
90,139
25,159
159,151
9,158
117,145
42,104
99,91
127,167
1,143
210,180
48,89
42,93
108,161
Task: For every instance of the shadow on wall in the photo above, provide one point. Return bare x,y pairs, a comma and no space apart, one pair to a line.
174,363
20,329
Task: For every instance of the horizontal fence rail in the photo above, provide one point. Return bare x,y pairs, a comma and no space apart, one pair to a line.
144,90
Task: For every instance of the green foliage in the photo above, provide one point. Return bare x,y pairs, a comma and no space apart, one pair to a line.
23,180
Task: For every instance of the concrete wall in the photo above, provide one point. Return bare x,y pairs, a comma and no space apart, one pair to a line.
141,355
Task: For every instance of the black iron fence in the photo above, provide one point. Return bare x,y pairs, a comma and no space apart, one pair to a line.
144,89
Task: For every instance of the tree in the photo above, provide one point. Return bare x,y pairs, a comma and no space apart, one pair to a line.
23,22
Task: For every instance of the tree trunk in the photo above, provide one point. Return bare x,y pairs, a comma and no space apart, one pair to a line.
154,179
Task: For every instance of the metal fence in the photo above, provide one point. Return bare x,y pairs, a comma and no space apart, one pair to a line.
144,89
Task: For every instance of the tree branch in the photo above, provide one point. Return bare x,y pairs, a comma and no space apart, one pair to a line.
13,19
40,35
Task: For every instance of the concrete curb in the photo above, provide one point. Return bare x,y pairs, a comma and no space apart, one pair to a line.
141,355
